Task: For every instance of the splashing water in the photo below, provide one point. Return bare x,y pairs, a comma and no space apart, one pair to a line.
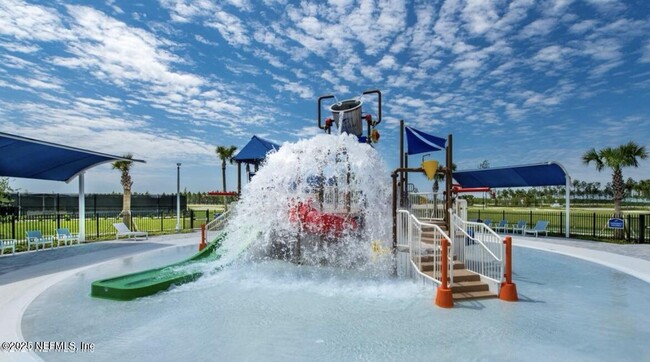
334,177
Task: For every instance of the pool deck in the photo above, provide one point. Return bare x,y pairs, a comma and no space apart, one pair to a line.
633,259
24,276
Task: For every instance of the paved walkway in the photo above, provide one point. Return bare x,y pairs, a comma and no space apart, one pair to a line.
641,251
32,264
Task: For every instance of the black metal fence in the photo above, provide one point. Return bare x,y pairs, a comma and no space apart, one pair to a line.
34,204
99,224
582,224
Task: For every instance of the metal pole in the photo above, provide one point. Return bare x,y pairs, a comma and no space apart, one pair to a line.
82,208
567,206
178,197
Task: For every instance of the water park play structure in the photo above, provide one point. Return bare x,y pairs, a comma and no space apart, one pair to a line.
324,202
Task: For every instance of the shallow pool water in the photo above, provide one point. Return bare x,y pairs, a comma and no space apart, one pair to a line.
569,309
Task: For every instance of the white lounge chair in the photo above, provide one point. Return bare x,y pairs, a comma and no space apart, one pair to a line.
35,237
8,244
502,225
123,230
540,227
520,227
64,235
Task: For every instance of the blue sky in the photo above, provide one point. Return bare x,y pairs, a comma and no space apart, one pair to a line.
515,82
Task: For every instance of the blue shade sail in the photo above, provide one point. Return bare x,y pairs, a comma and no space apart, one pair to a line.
29,158
545,174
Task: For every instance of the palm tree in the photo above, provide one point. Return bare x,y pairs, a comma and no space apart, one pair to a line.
225,154
626,155
124,166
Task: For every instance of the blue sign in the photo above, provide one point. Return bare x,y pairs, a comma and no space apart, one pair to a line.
616,223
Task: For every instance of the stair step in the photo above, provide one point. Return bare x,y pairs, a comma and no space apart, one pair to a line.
429,265
473,295
464,275
460,275
464,287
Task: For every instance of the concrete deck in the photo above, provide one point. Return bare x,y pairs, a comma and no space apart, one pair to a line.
633,259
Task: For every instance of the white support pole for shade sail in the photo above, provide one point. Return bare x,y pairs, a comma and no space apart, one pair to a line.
82,209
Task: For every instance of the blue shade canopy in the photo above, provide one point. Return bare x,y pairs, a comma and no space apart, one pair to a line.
543,174
29,158
255,150
420,142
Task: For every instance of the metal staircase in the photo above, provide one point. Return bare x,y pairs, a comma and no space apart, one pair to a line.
465,263
465,284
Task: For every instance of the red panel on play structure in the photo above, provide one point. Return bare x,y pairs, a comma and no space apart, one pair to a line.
321,223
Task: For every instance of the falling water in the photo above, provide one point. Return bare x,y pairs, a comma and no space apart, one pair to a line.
352,182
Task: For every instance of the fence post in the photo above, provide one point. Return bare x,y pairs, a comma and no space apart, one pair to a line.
531,217
13,226
96,223
641,229
561,222
192,219
58,210
161,220
593,229
629,227
479,215
503,216
207,216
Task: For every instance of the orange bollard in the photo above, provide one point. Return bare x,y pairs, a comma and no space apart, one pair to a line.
508,290
202,245
444,297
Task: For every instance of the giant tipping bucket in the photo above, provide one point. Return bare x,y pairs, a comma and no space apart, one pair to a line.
347,116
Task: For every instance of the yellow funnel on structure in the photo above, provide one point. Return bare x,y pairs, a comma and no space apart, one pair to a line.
430,167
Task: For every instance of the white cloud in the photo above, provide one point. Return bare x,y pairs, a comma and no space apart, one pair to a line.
538,28
117,53
387,62
480,15
30,22
645,56
583,26
230,27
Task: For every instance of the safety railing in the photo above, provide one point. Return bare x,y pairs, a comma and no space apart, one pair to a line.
214,227
478,247
427,205
430,248
340,199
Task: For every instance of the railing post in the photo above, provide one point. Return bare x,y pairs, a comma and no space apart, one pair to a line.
508,290
641,229
202,245
444,297
13,226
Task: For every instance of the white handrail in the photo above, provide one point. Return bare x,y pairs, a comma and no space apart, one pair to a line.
409,235
427,205
479,248
213,227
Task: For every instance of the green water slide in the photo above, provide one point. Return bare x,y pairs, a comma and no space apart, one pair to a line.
148,282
